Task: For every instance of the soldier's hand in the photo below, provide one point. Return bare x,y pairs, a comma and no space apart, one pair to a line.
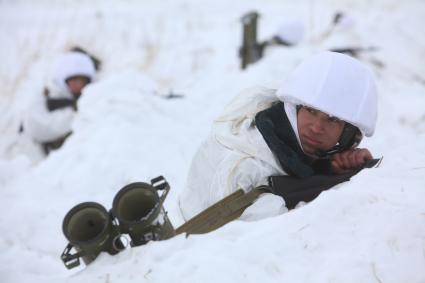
349,160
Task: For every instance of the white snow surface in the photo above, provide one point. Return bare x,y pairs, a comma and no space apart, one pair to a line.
371,229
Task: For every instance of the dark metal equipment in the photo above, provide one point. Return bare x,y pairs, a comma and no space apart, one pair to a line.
251,51
137,211
140,212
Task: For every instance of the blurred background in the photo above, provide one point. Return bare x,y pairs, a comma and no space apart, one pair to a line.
168,68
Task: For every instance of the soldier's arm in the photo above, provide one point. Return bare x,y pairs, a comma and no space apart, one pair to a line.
45,126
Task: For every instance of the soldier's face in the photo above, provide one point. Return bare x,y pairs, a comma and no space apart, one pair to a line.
76,85
317,130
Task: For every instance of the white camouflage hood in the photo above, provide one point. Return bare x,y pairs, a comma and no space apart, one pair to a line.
69,65
336,84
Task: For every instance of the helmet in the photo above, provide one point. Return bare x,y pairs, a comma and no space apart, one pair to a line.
72,64
291,32
337,85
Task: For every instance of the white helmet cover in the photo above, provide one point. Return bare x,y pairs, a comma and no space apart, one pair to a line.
72,64
291,32
336,84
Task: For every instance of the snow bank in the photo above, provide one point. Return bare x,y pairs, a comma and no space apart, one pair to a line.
368,230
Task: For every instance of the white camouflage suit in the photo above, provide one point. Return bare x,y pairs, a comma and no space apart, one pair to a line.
235,155
44,125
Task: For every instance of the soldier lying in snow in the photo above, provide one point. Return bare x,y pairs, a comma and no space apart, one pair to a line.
311,125
50,117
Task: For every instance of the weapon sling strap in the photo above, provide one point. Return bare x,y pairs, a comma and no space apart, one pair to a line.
222,212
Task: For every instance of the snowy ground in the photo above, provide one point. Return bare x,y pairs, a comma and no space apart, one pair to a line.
371,229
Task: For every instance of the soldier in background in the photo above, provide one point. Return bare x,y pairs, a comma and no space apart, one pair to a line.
49,119
289,33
